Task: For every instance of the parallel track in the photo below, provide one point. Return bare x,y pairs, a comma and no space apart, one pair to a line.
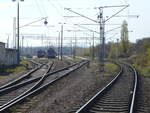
10,94
23,77
117,97
37,85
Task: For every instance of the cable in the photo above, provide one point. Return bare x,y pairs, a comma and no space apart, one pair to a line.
116,13
81,15
33,22
59,4
53,5
38,7
44,8
125,1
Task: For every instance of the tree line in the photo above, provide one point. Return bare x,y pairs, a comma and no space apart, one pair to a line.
137,53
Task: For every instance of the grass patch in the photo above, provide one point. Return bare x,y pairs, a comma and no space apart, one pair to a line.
77,59
15,68
110,66
143,70
13,108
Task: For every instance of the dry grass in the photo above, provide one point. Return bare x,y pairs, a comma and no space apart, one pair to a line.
13,69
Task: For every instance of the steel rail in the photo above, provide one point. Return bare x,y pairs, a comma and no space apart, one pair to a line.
87,105
34,62
37,83
25,76
134,90
35,89
21,78
18,85
21,81
93,99
14,86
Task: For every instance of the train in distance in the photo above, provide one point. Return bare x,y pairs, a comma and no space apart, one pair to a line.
50,53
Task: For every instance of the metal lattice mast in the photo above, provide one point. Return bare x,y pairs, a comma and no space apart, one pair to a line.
61,46
101,48
93,54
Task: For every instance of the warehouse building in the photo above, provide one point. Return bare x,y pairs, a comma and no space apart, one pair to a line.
8,56
2,53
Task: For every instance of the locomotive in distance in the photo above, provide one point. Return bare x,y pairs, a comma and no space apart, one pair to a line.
50,53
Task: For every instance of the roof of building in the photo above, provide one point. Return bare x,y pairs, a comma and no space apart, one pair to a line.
2,43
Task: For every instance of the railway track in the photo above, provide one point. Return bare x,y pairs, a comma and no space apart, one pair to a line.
141,103
38,70
33,86
12,93
116,97
34,63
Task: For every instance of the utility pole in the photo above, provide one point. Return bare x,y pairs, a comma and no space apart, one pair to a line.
58,45
42,40
22,45
14,32
93,48
18,53
61,46
75,45
8,42
90,47
117,49
102,40
85,46
71,48
102,29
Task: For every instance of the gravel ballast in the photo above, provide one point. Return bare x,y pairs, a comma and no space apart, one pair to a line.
143,97
71,92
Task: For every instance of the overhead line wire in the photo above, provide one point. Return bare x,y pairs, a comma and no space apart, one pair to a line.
38,7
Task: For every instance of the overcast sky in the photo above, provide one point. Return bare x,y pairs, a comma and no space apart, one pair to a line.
32,10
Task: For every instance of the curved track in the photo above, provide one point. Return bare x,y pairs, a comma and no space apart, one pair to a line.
117,97
33,86
10,94
23,77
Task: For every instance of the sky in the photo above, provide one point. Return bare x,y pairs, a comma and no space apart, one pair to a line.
33,10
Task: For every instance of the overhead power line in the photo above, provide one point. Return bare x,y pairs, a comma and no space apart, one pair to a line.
33,22
38,6
69,9
111,6
125,6
112,29
87,28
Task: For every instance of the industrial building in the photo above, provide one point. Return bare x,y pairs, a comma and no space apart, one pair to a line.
8,56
